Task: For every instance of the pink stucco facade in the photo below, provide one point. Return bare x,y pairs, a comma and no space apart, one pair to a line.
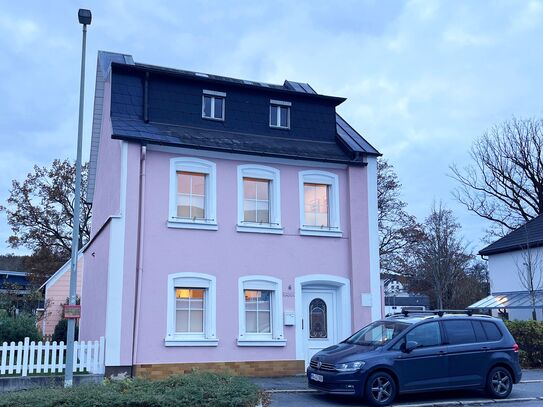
224,253
57,290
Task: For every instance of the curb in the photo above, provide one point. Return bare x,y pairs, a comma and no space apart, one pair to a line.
531,381
431,404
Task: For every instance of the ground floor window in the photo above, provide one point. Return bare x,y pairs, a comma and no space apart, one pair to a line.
260,311
190,310
191,314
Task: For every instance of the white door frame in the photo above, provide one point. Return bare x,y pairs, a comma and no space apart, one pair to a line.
343,305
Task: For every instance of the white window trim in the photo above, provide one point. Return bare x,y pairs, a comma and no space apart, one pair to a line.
259,282
196,165
280,103
192,280
332,180
214,95
266,173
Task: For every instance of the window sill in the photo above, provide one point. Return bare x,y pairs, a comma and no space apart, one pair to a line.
320,232
279,127
277,230
217,119
190,342
262,342
179,224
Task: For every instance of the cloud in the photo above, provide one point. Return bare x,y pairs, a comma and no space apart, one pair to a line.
422,78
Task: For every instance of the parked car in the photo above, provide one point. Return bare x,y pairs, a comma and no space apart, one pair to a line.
419,353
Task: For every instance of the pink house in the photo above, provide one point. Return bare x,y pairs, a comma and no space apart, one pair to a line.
56,291
234,223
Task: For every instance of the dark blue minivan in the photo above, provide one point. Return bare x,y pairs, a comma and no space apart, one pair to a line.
419,353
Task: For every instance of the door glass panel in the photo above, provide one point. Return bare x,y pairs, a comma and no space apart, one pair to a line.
317,319
425,335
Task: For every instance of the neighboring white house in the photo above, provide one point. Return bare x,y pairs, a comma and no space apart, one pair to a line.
508,259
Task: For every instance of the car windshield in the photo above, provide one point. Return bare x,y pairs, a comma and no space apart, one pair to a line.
378,333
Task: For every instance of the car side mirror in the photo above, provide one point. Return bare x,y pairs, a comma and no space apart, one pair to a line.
409,346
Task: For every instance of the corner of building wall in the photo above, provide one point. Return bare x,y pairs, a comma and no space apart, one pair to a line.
373,230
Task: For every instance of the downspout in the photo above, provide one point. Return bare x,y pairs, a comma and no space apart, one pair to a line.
139,253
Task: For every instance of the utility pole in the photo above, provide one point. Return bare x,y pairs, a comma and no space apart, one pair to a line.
85,18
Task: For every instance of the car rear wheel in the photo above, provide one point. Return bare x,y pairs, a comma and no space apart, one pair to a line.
499,383
380,389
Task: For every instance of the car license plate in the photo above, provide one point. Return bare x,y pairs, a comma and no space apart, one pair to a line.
316,377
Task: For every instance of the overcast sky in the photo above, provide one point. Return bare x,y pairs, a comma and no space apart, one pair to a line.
422,78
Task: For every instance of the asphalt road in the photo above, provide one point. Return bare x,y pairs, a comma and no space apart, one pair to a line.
522,390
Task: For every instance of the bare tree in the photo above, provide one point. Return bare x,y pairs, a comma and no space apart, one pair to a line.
40,212
530,272
398,231
442,258
505,182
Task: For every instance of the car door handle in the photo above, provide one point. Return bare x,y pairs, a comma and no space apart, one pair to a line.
485,348
442,353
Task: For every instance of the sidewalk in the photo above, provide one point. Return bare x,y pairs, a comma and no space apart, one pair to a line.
299,383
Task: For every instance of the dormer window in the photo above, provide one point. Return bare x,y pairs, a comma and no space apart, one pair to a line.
213,105
280,114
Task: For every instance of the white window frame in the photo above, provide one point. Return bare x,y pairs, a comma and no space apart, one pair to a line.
267,283
325,178
196,165
213,95
273,176
280,103
192,280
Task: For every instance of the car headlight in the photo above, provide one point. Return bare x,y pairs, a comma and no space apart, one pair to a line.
349,366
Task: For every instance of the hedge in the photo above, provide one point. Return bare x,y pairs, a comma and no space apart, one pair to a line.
190,390
17,328
529,337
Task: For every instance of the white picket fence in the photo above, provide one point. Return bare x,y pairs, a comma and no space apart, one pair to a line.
27,357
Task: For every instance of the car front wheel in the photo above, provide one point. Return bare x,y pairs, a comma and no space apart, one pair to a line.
380,389
499,383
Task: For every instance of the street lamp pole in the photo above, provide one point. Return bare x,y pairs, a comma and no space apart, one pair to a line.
85,18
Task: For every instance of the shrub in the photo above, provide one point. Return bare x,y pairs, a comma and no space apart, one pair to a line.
61,331
17,328
190,390
529,337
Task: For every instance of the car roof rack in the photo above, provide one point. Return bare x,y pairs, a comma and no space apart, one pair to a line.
438,312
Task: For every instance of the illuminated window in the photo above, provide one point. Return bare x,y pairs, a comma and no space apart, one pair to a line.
260,311
259,199
189,309
319,204
316,205
193,199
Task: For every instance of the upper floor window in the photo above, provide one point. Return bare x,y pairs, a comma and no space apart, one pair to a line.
280,114
192,193
259,199
213,105
319,204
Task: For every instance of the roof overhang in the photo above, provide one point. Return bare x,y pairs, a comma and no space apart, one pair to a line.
509,300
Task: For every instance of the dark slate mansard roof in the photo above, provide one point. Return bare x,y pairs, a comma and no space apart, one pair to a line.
528,235
349,147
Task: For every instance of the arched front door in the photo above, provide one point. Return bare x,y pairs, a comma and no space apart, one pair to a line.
319,322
